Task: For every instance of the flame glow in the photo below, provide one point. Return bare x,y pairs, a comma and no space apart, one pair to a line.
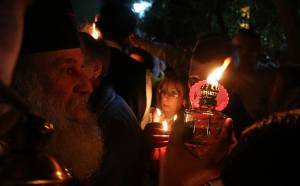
59,174
215,76
158,112
165,125
175,117
96,34
156,115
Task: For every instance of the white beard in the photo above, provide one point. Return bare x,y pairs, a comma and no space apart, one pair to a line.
77,145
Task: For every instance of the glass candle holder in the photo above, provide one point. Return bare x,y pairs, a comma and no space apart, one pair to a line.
203,124
202,128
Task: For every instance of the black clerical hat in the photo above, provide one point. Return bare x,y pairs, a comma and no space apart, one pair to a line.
49,26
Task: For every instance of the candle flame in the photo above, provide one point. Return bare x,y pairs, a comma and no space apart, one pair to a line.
215,76
175,117
96,18
165,125
156,115
158,111
96,34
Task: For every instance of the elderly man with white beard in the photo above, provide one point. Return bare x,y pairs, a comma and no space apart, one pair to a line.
49,77
62,100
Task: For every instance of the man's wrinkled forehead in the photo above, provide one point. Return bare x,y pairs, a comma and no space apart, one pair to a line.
72,57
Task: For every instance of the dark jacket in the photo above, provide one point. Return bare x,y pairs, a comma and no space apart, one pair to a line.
122,163
236,110
128,78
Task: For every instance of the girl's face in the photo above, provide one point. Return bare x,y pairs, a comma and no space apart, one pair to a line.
171,95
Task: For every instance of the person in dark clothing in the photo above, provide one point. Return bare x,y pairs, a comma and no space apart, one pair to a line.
128,78
155,68
285,89
126,75
123,157
267,153
49,77
122,162
255,77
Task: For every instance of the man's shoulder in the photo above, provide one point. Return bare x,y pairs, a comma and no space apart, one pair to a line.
117,111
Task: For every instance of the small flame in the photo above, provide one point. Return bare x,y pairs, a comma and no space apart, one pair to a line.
96,32
165,125
158,111
96,18
156,115
215,76
175,117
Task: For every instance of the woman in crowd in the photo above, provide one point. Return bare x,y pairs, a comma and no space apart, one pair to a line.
171,101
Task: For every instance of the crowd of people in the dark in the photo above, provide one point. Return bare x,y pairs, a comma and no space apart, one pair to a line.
110,111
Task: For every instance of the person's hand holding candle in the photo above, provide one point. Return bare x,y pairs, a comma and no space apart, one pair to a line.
157,132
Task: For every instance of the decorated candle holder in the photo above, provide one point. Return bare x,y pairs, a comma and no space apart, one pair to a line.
209,95
204,121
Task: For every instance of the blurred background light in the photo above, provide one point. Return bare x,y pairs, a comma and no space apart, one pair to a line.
141,7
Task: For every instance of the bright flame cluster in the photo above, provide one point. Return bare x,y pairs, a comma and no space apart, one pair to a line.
96,34
91,29
157,117
165,125
215,76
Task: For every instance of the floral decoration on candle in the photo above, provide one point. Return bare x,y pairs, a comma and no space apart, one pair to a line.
210,90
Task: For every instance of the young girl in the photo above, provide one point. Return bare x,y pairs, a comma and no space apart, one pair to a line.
170,97
170,100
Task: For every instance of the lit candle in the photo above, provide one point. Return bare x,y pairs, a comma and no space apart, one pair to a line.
210,89
175,118
95,33
165,126
157,115
215,76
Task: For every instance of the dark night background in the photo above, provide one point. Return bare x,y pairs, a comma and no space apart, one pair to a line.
181,22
